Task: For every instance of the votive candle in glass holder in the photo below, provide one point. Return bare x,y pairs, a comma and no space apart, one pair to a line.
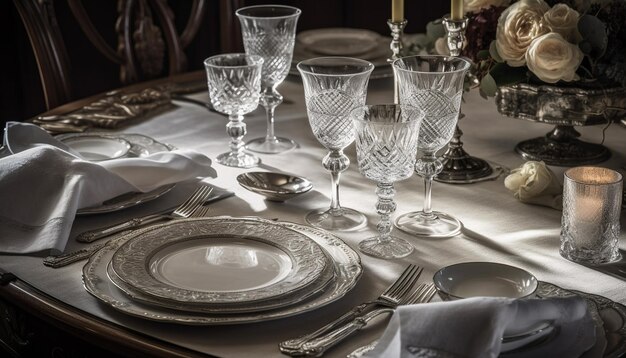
592,200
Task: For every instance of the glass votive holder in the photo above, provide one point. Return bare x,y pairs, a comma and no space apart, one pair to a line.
592,200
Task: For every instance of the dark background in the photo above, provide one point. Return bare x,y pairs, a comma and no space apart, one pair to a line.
21,96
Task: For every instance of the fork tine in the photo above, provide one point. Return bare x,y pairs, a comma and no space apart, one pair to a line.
400,280
410,299
427,295
200,212
190,200
193,202
408,284
197,199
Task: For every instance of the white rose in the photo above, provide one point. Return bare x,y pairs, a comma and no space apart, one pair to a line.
535,183
563,20
477,5
517,27
441,47
551,58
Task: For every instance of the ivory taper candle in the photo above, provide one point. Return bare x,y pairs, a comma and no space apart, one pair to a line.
397,10
456,10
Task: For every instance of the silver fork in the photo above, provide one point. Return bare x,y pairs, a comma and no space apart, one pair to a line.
199,197
318,346
184,210
389,298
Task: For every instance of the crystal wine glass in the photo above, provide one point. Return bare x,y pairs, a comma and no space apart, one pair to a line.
334,86
433,84
386,147
234,82
270,31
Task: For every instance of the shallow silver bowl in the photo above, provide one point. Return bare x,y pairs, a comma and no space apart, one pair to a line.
274,186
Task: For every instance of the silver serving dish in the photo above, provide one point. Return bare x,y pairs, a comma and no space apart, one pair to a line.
274,186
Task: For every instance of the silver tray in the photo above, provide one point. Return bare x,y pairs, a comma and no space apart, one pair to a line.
346,262
140,146
186,261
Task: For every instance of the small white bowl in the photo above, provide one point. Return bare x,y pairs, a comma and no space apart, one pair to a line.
490,279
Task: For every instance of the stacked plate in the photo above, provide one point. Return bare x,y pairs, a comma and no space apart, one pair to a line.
222,270
102,146
347,42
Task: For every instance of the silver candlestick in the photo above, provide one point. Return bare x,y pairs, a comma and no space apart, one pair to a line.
458,166
397,28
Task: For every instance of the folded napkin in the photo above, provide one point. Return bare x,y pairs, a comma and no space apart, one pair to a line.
474,327
535,183
43,184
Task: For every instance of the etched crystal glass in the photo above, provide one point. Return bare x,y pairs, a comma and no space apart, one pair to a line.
234,82
334,86
386,147
590,229
433,84
269,31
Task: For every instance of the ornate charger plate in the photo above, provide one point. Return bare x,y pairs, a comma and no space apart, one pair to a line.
219,261
345,260
140,146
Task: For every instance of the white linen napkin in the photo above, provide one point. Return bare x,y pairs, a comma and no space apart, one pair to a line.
474,327
43,184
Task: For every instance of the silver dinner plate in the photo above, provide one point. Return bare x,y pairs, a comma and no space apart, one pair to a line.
140,146
221,261
346,261
377,54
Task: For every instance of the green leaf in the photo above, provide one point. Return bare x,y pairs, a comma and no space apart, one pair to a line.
595,38
482,54
504,74
488,86
493,51
435,30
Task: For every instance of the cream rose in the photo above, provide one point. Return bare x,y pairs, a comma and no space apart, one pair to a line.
551,58
477,5
563,20
441,47
517,27
535,183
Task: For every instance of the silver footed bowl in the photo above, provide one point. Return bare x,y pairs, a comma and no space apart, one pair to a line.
274,186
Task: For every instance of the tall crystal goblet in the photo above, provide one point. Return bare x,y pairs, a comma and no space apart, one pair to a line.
334,86
386,147
234,82
269,31
433,84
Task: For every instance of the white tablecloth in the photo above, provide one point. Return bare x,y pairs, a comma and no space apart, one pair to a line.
497,227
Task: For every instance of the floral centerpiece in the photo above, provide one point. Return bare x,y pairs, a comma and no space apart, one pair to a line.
537,41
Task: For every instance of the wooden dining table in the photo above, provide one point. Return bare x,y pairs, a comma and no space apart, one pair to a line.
496,228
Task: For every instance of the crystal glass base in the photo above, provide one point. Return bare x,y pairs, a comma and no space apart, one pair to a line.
590,257
394,248
239,160
279,145
439,225
344,219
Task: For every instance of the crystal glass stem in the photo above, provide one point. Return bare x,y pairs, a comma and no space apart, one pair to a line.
335,162
428,167
237,157
270,99
385,206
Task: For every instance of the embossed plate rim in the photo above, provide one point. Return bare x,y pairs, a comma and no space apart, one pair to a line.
132,260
